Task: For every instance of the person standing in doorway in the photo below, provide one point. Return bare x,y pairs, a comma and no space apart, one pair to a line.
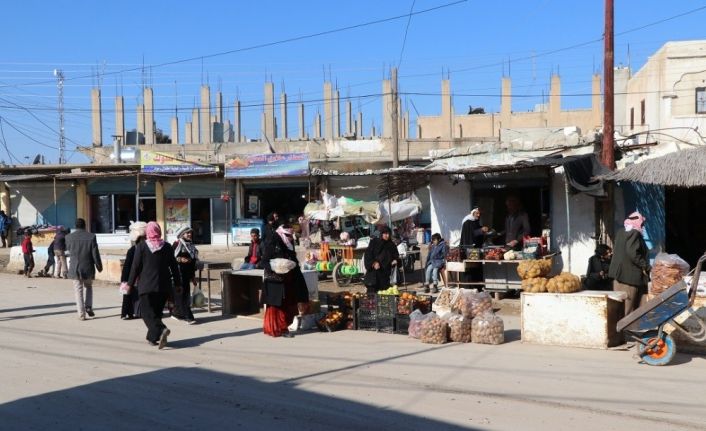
156,268
253,260
630,266
85,261
27,254
187,255
60,252
4,227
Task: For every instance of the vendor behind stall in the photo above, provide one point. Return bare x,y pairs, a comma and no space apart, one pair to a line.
472,236
597,272
516,223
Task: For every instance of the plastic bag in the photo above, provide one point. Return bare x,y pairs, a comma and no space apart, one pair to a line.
481,303
282,266
198,299
415,323
124,288
434,330
488,328
445,301
667,271
460,328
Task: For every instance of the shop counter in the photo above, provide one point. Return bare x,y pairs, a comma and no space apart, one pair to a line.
580,319
498,275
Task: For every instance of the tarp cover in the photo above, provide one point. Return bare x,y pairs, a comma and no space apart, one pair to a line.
582,173
331,208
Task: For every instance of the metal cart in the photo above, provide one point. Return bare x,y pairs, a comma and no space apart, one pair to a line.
651,324
344,262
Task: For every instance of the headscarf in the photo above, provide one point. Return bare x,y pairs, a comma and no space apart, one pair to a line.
474,215
137,230
285,234
385,229
634,221
154,237
184,245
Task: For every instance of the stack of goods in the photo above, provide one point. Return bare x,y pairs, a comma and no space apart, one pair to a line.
460,328
533,274
332,321
415,323
385,313
667,271
445,301
494,253
345,302
488,328
366,313
565,282
471,303
434,330
475,254
407,302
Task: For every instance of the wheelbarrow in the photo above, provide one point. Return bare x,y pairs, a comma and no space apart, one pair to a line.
651,325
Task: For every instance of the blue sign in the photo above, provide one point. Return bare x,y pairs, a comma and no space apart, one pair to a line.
268,165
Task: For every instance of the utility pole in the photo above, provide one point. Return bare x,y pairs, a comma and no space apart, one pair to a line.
62,137
607,153
395,122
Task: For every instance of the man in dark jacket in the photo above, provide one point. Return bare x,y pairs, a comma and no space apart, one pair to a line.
630,267
254,256
85,260
436,261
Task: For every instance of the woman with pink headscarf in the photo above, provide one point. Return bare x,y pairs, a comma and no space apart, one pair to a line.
630,266
156,268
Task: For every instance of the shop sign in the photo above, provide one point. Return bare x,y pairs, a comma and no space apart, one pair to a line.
177,215
268,165
161,163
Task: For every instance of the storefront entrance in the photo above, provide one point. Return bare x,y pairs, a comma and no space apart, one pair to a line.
288,201
201,220
685,233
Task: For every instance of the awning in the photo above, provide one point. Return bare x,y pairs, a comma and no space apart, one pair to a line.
684,168
25,177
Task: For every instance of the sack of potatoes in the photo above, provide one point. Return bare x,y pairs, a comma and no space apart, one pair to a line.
535,285
565,282
534,268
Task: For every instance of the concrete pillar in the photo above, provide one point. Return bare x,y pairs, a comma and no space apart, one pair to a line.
227,131
387,98
5,198
302,130
236,123
219,107
328,110
373,132
96,117
359,126
447,114
195,126
506,102
175,130
140,124
621,76
405,125
349,118
269,118
597,106
159,201
336,115
82,202
284,133
317,126
149,116
205,124
120,118
555,101
188,133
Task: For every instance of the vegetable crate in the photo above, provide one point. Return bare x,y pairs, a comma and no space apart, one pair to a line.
423,303
385,324
386,306
402,324
366,320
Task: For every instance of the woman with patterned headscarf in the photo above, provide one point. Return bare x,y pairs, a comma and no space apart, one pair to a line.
131,299
186,255
157,270
630,266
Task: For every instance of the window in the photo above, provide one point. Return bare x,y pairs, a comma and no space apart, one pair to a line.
632,118
642,112
220,215
701,100
112,213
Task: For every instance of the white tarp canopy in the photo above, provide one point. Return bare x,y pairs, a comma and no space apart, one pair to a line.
373,212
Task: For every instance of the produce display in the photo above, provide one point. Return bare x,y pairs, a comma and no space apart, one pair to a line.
475,254
423,303
415,323
565,282
460,328
494,254
512,255
405,303
534,268
434,330
389,291
535,285
667,271
446,298
332,320
487,329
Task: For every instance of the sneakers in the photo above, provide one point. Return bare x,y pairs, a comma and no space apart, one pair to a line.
163,338
90,312
190,321
152,343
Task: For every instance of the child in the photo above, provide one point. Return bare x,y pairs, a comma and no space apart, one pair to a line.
50,263
27,250
436,261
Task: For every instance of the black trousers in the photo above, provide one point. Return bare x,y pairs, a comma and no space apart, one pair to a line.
151,306
131,304
29,262
182,302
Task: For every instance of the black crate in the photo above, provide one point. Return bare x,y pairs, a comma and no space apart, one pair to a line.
402,324
366,320
386,324
367,302
386,306
423,303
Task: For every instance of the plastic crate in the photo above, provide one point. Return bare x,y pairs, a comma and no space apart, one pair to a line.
366,320
386,306
402,324
367,302
385,324
423,303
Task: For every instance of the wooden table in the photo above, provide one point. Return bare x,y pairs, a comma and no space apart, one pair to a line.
208,266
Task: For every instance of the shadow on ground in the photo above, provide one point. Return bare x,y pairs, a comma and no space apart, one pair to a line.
194,398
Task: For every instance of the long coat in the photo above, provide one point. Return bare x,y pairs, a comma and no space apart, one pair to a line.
278,287
384,253
85,257
630,264
157,272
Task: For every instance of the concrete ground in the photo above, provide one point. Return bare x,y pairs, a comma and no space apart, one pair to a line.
61,373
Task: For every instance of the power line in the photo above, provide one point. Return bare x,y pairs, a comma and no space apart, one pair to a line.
406,29
4,144
266,44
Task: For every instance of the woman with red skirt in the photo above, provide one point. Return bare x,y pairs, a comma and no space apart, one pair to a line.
284,294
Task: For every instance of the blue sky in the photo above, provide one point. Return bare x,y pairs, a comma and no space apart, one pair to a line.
472,40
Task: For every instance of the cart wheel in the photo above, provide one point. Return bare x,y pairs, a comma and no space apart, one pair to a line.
322,275
662,353
339,278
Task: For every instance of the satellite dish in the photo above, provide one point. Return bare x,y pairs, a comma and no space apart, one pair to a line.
37,160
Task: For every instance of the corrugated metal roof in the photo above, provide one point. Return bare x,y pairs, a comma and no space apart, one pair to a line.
25,177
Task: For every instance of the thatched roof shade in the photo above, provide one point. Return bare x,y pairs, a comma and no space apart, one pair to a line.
685,168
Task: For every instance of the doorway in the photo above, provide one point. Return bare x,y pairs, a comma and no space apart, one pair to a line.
201,220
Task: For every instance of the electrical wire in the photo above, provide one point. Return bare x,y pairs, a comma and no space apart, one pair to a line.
4,144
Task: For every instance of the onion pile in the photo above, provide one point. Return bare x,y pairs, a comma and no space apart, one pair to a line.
488,329
415,323
460,329
434,330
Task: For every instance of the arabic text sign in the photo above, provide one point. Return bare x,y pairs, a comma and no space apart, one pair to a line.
166,164
268,165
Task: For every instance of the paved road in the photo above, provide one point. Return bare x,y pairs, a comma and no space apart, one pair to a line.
60,373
